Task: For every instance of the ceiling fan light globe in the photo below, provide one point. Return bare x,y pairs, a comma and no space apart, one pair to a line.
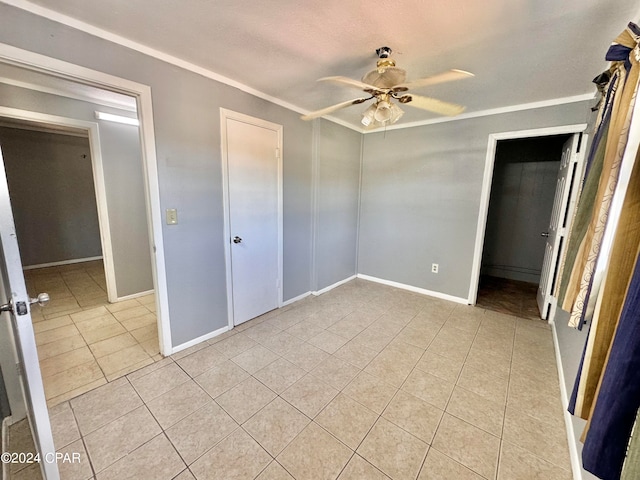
368,115
383,112
396,113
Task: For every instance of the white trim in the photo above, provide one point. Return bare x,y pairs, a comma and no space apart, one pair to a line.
37,127
359,214
103,212
486,190
316,131
296,299
195,341
225,115
62,262
411,288
98,182
576,465
142,93
134,295
489,112
331,287
62,93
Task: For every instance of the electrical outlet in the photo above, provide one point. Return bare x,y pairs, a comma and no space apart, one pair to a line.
434,268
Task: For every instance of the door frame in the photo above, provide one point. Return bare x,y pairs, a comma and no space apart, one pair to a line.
486,189
142,93
225,115
91,128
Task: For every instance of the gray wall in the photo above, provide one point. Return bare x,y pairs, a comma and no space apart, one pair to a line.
523,194
338,186
421,192
52,195
126,203
187,129
122,165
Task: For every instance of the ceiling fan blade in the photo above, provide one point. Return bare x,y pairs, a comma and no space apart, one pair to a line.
350,82
443,77
332,108
432,105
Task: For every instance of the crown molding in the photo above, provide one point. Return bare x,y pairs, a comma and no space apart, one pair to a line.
491,111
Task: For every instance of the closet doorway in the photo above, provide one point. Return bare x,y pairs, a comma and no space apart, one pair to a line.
520,186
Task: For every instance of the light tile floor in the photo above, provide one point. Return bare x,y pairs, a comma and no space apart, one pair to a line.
363,382
82,340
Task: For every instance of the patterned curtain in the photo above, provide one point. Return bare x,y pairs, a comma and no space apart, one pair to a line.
607,387
577,280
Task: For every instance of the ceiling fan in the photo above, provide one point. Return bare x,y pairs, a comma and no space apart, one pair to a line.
387,83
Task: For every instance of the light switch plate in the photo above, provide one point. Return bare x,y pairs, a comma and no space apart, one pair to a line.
172,216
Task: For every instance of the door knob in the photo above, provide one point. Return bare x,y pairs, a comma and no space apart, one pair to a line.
237,239
42,299
544,234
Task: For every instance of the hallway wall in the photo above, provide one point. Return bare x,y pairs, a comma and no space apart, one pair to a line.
52,195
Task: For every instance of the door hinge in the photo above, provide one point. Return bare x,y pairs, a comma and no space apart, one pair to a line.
19,369
277,153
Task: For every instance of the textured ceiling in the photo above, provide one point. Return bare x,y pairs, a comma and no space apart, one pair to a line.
521,51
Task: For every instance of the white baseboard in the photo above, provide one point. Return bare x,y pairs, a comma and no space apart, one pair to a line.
134,295
201,339
63,262
411,288
331,287
576,465
295,299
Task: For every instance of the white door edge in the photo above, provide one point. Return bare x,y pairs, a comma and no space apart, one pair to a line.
560,222
26,354
142,93
486,190
232,115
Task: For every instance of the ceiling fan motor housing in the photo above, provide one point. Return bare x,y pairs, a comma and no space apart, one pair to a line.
383,52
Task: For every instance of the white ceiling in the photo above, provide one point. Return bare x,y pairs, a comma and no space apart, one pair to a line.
521,51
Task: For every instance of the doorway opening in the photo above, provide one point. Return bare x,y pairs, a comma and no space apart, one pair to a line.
520,206
523,194
24,385
84,337
78,195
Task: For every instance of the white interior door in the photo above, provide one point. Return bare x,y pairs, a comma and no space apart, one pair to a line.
16,309
253,168
567,187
